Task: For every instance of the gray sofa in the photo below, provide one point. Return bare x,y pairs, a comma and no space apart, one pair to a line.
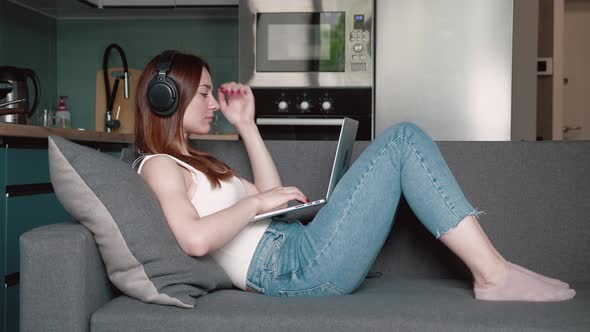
535,195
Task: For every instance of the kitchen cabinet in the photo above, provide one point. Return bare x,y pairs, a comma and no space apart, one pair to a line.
126,8
28,202
2,234
168,3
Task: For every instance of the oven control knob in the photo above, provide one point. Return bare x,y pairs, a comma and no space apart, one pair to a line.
326,105
283,105
304,105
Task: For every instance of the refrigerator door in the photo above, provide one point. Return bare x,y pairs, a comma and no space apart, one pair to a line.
446,66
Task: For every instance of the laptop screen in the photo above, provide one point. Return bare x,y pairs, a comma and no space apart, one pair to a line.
343,152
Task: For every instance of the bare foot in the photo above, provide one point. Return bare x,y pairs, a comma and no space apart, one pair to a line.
514,285
540,277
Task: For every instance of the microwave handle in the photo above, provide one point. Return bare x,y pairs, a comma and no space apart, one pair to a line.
299,122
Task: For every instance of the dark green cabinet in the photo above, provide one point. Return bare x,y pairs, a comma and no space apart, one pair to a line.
28,202
26,166
3,234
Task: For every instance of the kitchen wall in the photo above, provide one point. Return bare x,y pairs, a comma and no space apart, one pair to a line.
81,44
28,39
2,29
66,54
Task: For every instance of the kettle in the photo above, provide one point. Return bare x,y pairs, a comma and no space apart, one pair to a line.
14,94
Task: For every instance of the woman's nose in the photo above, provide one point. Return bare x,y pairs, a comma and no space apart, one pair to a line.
214,105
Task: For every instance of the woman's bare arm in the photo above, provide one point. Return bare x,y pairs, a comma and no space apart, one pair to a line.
198,236
264,170
237,104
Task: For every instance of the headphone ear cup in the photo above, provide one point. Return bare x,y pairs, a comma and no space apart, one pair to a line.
162,95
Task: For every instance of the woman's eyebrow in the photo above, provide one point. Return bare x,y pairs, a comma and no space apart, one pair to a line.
205,85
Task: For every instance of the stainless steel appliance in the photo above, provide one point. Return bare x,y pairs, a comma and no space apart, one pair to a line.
14,94
309,63
447,68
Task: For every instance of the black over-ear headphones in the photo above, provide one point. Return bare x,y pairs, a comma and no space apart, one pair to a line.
162,92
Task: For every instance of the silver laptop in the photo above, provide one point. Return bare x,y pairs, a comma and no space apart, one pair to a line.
340,166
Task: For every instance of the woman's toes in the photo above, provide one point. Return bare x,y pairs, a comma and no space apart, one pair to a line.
520,286
553,281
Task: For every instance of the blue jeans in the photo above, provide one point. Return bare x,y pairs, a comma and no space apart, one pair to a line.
332,254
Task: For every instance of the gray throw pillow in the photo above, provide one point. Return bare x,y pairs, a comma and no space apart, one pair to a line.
138,248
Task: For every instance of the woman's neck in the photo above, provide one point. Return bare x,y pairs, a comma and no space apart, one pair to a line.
183,148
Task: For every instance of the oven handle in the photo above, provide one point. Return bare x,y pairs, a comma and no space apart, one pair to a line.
299,122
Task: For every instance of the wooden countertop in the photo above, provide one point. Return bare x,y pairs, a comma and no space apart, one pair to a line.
217,137
18,130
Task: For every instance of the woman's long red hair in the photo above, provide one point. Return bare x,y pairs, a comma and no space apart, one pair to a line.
156,134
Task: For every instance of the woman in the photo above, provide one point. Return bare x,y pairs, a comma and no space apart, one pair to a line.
209,207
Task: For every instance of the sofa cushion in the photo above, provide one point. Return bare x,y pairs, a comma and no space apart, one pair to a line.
535,196
381,304
140,253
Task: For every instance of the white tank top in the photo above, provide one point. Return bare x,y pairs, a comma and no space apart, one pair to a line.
235,256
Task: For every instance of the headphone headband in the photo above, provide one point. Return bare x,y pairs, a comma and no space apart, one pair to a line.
165,61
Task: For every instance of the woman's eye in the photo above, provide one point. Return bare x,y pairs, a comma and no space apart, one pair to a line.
204,94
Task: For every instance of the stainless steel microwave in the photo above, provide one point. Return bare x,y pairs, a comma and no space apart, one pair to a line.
306,43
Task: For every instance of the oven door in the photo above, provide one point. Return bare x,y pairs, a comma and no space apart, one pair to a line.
313,129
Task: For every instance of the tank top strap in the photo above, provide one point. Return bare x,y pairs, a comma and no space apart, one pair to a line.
195,173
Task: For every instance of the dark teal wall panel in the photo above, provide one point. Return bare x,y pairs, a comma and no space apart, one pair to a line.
81,44
29,40
2,33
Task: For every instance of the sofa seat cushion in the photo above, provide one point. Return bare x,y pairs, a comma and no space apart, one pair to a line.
380,304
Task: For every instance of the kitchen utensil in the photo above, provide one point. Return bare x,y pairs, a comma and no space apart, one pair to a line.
14,94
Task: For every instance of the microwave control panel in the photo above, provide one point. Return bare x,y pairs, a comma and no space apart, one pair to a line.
359,39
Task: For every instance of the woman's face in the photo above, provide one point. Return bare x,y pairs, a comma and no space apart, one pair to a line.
199,113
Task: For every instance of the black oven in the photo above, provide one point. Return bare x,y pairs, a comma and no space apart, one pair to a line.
312,114
309,63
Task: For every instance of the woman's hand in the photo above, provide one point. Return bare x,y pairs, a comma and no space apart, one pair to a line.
274,198
236,102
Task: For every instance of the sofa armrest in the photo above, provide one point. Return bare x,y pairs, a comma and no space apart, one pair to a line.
63,279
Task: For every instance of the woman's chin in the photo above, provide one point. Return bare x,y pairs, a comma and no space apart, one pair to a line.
204,131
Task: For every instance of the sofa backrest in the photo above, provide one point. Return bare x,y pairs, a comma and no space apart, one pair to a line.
535,196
